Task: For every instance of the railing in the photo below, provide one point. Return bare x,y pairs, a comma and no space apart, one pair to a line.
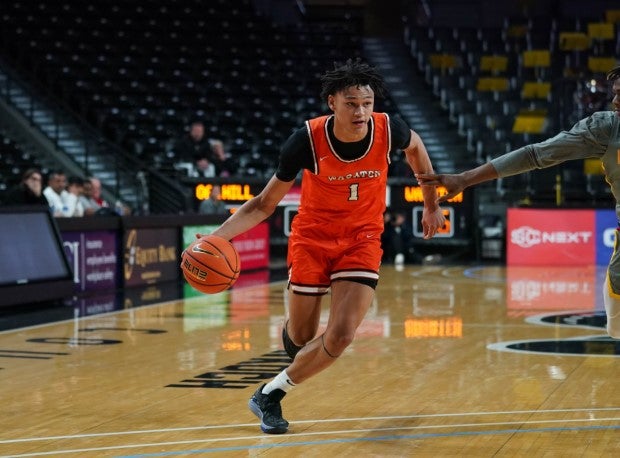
80,148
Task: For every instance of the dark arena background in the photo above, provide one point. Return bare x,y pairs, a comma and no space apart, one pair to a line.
110,89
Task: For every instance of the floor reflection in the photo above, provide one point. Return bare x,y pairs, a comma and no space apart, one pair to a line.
234,304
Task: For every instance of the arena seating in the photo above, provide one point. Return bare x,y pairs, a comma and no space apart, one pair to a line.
15,160
140,72
519,83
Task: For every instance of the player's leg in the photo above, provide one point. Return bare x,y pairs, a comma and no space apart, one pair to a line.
304,314
300,327
349,303
612,308
311,272
308,282
611,293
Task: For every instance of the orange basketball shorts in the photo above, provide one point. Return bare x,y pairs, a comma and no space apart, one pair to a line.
314,263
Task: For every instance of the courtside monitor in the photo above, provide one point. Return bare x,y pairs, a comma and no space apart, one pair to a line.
33,264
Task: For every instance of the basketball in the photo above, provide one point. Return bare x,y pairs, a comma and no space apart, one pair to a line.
210,264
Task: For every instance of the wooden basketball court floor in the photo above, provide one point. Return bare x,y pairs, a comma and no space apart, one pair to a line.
450,361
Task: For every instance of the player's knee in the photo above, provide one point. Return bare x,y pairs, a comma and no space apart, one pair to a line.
337,343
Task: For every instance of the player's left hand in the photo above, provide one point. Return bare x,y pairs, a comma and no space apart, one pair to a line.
432,221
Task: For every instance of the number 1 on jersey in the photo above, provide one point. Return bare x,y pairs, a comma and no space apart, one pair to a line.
353,191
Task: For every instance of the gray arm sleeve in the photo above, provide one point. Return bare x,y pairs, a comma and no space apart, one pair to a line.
588,138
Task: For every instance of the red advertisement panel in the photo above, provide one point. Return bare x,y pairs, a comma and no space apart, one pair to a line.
550,237
253,247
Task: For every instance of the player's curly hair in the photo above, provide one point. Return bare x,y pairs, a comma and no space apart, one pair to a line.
613,74
351,73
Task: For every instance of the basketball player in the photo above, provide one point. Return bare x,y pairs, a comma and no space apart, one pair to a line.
595,136
335,239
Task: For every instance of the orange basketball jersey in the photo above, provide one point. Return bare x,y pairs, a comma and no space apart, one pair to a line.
345,196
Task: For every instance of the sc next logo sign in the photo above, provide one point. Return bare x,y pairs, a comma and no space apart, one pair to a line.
596,345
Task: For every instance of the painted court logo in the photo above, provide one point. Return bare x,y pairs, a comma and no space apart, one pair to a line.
527,237
586,345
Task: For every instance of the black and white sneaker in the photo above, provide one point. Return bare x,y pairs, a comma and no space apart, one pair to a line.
267,408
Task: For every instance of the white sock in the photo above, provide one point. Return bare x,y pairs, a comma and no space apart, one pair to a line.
281,381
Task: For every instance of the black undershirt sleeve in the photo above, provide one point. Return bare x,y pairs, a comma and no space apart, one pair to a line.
295,155
401,133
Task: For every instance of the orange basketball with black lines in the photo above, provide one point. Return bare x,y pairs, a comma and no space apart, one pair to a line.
210,264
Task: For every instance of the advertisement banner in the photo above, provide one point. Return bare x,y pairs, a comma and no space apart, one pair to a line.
253,247
150,256
550,237
93,255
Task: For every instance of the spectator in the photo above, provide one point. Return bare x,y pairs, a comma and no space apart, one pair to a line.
96,192
71,198
224,166
192,146
213,205
28,191
89,204
202,168
200,156
55,193
119,208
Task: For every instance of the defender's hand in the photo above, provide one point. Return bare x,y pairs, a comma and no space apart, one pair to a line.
454,184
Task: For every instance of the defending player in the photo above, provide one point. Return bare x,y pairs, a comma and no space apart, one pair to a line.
595,136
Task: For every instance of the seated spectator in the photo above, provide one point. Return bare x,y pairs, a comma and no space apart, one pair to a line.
96,192
213,205
200,157
71,198
55,193
194,145
224,166
94,203
203,168
28,191
89,204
